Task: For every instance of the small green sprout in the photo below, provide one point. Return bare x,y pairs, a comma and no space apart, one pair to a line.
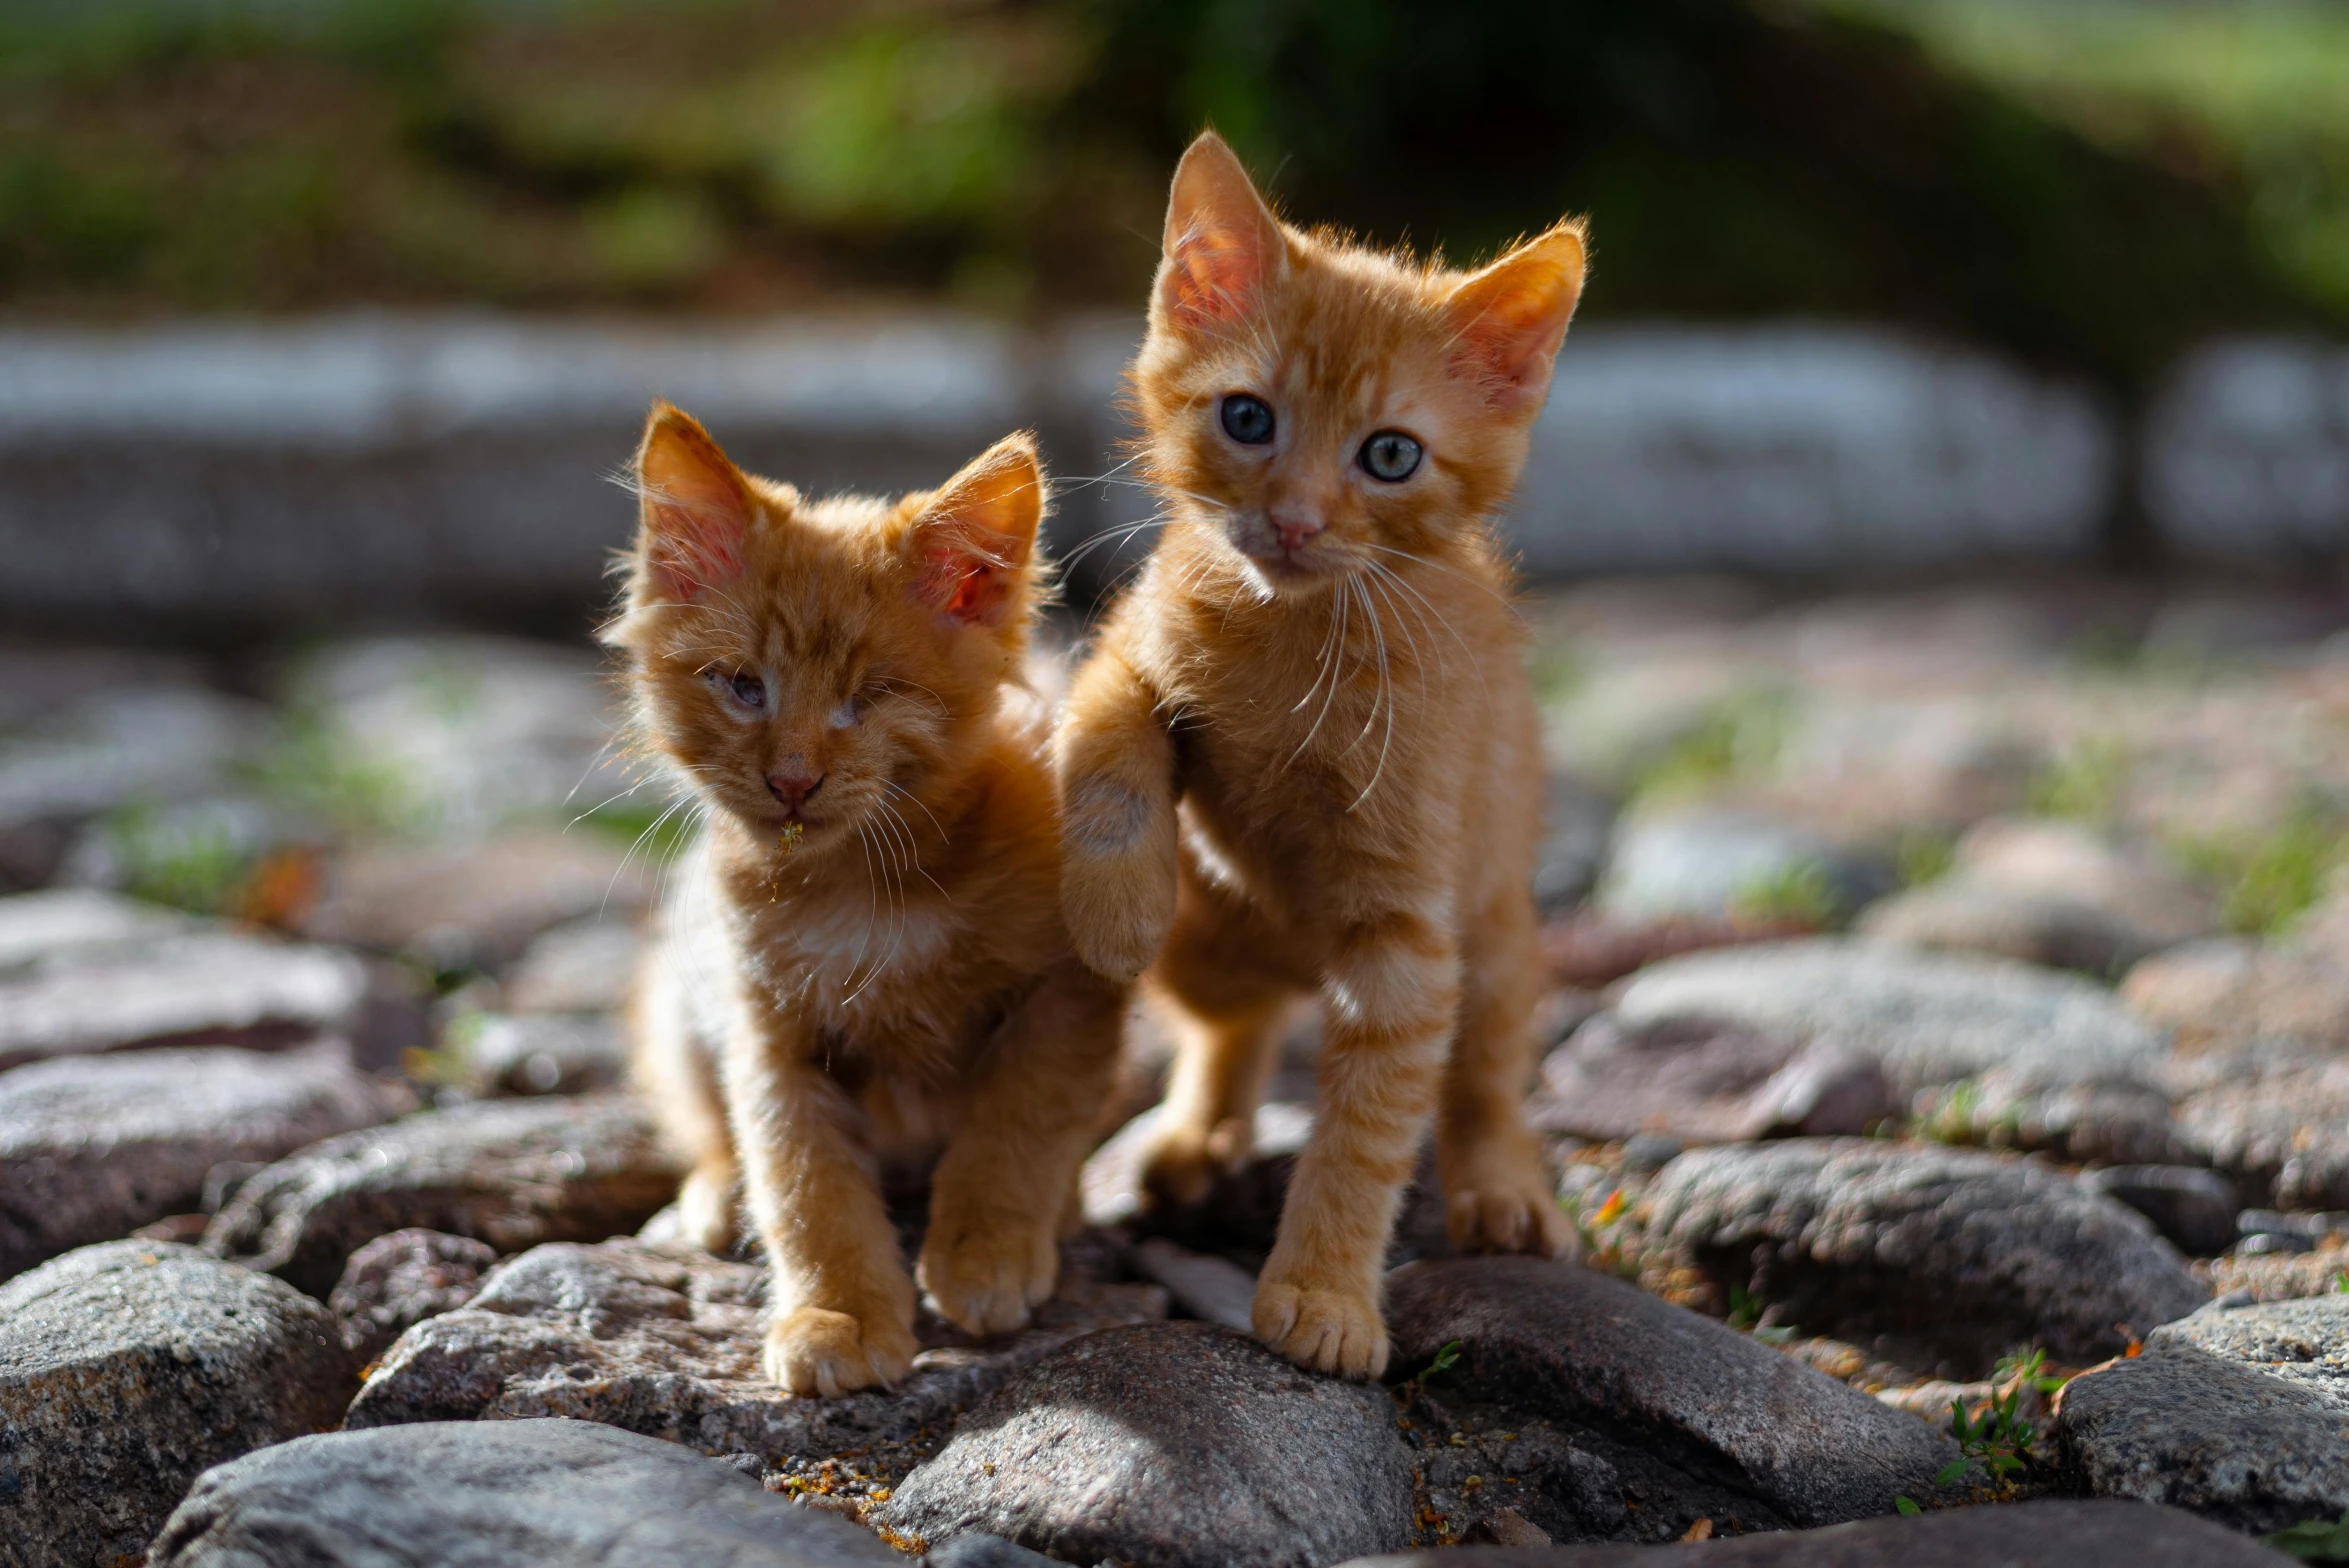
1999,1439
1906,1504
1801,894
1445,1359
2314,1540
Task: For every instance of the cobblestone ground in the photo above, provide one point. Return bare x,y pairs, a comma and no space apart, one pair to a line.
1949,1005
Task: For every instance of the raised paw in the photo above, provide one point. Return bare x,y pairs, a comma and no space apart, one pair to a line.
820,1353
705,1209
1183,1162
1323,1329
990,1281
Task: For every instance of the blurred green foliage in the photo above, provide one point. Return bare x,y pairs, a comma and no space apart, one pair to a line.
1938,162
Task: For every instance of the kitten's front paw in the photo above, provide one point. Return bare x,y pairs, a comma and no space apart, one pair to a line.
1321,1328
1507,1205
991,1282
815,1352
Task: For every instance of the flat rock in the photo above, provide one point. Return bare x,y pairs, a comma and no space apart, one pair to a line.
397,1281
2195,1208
2054,1533
2229,991
128,1368
540,1053
112,746
2239,1412
1587,949
498,1494
666,1341
1711,863
1938,1258
2277,1121
584,966
1169,1445
1703,1082
1636,1401
1575,823
83,972
475,905
512,1173
2046,892
1927,1018
93,1147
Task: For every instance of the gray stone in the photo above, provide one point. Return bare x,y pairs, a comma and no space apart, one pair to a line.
2194,1208
1710,863
81,974
2239,1412
1703,1082
2046,892
1695,1419
2229,992
93,1147
2246,449
2053,1533
983,1551
497,1494
397,1281
2275,1121
512,1173
585,966
118,745
1213,1289
541,1053
666,1341
1928,1018
1937,1258
1169,1445
475,904
1575,825
128,1368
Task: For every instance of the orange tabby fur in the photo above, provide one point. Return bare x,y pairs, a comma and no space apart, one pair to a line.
866,960
1304,755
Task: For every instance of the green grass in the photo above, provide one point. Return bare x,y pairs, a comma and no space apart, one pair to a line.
2257,90
1800,894
1739,737
2083,782
2267,880
2314,1540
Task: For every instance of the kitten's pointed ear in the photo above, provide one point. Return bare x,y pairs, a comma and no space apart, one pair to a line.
1512,316
695,507
1222,241
972,541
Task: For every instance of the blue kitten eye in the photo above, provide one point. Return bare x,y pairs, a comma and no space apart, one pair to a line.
1247,420
1390,455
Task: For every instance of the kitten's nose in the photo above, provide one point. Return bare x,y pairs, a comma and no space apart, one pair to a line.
793,789
1294,524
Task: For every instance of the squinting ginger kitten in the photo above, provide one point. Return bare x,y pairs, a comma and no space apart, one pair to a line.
864,955
1303,757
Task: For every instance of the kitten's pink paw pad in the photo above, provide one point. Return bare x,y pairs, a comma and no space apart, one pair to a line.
1515,1217
991,1284
1332,1331
822,1354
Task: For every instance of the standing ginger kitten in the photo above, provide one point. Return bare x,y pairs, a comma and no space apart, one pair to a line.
864,955
1304,756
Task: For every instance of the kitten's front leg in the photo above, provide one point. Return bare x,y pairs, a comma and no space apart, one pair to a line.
1117,876
992,1253
1390,996
840,1307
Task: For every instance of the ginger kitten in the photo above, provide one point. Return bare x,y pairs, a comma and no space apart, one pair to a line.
863,957
1303,757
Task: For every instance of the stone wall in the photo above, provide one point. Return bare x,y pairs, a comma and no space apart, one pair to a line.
235,479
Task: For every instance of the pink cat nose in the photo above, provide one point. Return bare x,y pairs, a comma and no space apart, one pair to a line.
1294,527
793,789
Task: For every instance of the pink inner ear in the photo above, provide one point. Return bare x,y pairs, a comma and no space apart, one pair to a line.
963,586
695,544
1212,274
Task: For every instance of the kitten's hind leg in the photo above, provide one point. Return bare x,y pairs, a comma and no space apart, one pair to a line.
992,1252
1498,1194
1228,1011
677,1073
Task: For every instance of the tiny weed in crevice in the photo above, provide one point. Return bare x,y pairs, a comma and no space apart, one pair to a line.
1999,1439
1746,1314
2266,881
2313,1540
1801,894
2083,782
